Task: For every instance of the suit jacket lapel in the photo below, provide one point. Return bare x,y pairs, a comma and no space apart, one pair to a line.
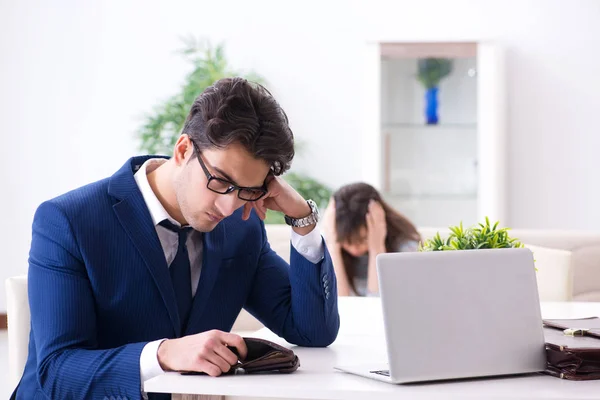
135,218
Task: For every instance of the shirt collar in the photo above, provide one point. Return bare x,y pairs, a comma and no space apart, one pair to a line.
157,211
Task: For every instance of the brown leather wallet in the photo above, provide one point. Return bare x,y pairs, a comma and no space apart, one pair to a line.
573,348
263,356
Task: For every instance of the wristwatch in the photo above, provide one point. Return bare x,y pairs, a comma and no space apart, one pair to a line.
310,219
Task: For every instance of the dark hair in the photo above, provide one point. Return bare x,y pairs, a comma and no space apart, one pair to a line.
234,110
351,206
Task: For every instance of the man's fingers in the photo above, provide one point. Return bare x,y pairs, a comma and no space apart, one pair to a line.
209,368
233,340
225,353
247,211
264,209
215,359
259,211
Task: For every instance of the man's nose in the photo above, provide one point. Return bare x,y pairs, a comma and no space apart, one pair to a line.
228,203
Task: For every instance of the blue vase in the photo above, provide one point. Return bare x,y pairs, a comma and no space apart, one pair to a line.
431,106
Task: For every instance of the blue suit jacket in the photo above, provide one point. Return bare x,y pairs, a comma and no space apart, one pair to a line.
99,290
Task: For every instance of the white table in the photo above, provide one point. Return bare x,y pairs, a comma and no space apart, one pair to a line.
361,340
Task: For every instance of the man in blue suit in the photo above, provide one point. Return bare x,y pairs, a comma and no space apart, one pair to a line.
146,271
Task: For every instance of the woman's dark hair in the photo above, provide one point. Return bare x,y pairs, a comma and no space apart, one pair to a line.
234,110
351,206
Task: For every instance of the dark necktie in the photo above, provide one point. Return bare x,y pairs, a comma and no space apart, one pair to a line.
180,272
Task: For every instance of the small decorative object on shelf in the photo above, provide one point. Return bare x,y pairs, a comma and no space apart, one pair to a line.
431,72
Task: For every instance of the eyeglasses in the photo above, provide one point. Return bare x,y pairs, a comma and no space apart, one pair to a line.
223,186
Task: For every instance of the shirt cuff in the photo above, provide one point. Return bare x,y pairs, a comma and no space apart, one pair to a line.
149,366
310,246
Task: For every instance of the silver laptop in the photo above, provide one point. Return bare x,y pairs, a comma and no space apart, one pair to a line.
458,314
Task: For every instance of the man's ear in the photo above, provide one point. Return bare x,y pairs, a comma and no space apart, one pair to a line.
183,149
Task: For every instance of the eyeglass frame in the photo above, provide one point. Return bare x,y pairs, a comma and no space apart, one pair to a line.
232,186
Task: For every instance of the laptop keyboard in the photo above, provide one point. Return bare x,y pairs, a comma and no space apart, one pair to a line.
384,372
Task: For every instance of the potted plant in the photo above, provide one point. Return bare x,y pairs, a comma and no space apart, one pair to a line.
430,72
161,128
481,236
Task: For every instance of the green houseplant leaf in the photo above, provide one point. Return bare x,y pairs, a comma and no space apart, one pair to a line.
482,236
432,70
160,129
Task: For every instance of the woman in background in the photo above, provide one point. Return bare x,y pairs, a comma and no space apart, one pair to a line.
359,226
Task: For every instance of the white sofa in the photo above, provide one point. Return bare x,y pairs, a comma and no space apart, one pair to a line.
579,249
583,246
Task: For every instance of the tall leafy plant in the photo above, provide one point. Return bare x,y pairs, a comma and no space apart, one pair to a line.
161,128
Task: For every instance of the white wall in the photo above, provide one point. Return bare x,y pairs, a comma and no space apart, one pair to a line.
74,76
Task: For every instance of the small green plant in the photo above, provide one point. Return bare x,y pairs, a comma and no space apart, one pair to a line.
433,70
481,236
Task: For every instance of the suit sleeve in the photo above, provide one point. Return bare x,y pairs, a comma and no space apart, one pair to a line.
297,301
63,320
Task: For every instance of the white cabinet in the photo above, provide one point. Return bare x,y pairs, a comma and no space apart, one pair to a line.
444,173
431,173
